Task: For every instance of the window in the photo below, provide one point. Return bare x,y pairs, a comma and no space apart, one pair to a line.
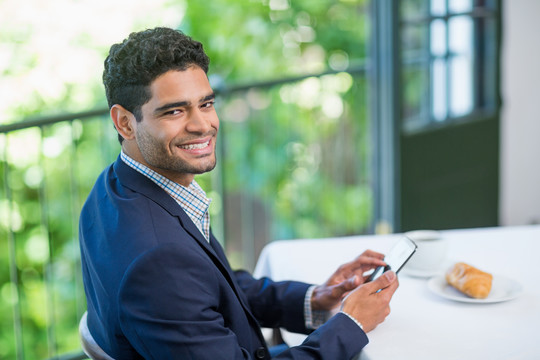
449,60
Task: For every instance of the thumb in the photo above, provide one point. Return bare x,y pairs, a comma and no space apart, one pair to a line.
382,281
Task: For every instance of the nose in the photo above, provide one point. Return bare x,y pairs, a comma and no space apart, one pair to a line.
199,122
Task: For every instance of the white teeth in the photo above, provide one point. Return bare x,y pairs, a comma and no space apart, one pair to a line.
194,146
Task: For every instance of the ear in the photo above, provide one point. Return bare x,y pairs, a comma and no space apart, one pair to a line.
124,121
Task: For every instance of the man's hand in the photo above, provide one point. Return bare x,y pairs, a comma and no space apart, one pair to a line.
368,305
346,278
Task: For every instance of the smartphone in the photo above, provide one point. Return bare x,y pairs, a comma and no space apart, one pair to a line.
396,258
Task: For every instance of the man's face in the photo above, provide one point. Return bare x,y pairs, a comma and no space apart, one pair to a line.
177,134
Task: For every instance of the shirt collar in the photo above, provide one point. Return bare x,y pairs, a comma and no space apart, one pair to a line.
192,198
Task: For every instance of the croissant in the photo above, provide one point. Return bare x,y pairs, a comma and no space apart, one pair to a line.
469,280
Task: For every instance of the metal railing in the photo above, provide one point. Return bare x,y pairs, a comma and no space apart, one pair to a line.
49,165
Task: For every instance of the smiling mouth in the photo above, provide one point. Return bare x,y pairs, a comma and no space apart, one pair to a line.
195,146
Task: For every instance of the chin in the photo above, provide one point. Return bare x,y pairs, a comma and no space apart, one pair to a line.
202,168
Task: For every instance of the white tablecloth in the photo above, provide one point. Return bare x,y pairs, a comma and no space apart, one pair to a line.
422,324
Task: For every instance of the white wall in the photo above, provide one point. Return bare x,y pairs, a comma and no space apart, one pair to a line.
520,122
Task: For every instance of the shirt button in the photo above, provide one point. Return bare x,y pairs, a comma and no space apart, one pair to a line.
260,353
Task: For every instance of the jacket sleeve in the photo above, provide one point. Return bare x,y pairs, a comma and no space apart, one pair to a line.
338,338
281,304
275,304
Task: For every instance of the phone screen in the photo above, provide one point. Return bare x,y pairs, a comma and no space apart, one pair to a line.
396,258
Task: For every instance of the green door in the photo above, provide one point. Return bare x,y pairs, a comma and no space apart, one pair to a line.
447,162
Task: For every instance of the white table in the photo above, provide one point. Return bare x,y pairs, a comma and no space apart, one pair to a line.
422,324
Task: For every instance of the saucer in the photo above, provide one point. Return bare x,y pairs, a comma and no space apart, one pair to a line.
421,273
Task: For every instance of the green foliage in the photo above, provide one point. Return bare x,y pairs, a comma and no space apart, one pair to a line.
253,40
307,168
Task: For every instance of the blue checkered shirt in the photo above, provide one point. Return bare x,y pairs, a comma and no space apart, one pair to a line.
192,199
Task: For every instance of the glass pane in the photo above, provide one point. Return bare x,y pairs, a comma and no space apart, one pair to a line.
461,34
415,101
461,85
461,65
438,83
414,8
438,7
460,6
438,38
414,43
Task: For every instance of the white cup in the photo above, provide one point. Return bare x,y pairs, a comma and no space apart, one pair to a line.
431,252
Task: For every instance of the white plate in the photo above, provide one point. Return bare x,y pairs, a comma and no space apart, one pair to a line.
502,289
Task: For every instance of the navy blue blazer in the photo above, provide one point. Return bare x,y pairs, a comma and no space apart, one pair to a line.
156,289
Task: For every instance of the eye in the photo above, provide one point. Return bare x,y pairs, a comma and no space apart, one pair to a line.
173,112
208,104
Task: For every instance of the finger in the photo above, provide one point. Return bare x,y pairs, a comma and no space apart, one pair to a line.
367,264
373,254
391,289
346,286
367,261
353,282
383,281
367,258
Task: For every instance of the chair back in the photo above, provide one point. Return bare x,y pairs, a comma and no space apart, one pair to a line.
89,345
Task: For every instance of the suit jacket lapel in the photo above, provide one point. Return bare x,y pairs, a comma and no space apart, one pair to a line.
141,184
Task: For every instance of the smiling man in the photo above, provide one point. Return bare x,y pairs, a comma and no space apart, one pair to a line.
157,282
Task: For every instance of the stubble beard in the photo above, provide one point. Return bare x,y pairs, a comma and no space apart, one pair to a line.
158,157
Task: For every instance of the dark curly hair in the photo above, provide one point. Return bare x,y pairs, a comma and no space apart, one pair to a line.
133,64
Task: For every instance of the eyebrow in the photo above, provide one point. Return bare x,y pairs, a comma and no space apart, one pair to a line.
168,106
